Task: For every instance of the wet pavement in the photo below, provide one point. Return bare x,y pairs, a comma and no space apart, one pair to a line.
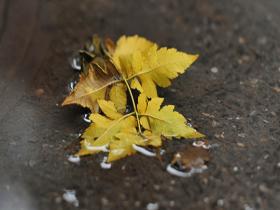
232,94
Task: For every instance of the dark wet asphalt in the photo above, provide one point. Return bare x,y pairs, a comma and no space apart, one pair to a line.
237,107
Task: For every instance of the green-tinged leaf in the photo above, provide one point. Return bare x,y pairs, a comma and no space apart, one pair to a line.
165,121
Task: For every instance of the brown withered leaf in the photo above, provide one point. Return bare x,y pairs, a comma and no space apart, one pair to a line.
92,86
191,157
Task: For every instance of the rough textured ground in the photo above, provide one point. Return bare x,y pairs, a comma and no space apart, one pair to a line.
237,107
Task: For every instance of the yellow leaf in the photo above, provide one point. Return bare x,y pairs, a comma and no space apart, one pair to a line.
165,121
135,84
153,140
142,104
122,146
137,57
134,63
126,47
118,96
91,87
103,129
109,109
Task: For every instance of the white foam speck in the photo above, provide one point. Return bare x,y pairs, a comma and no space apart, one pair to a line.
75,64
143,151
70,197
203,144
152,206
103,148
104,164
198,143
86,118
74,159
214,70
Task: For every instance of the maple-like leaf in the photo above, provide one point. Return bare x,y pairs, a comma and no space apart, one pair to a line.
103,129
164,121
109,73
114,132
137,57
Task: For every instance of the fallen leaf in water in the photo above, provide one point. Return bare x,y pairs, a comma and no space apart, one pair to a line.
108,75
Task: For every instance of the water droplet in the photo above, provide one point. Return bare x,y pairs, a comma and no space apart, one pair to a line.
86,118
72,85
74,159
128,109
235,169
75,63
152,206
70,197
104,164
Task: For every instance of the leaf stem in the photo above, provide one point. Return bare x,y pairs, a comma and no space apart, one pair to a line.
118,120
149,70
134,105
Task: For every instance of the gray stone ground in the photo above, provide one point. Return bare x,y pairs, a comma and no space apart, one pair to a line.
231,93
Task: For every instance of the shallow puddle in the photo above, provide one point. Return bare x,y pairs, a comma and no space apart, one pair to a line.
189,161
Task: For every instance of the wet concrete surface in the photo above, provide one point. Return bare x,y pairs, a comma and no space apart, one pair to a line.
231,94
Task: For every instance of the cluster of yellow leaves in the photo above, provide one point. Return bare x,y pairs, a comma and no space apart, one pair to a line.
134,63
148,65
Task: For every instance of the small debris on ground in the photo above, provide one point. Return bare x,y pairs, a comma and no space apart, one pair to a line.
152,206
